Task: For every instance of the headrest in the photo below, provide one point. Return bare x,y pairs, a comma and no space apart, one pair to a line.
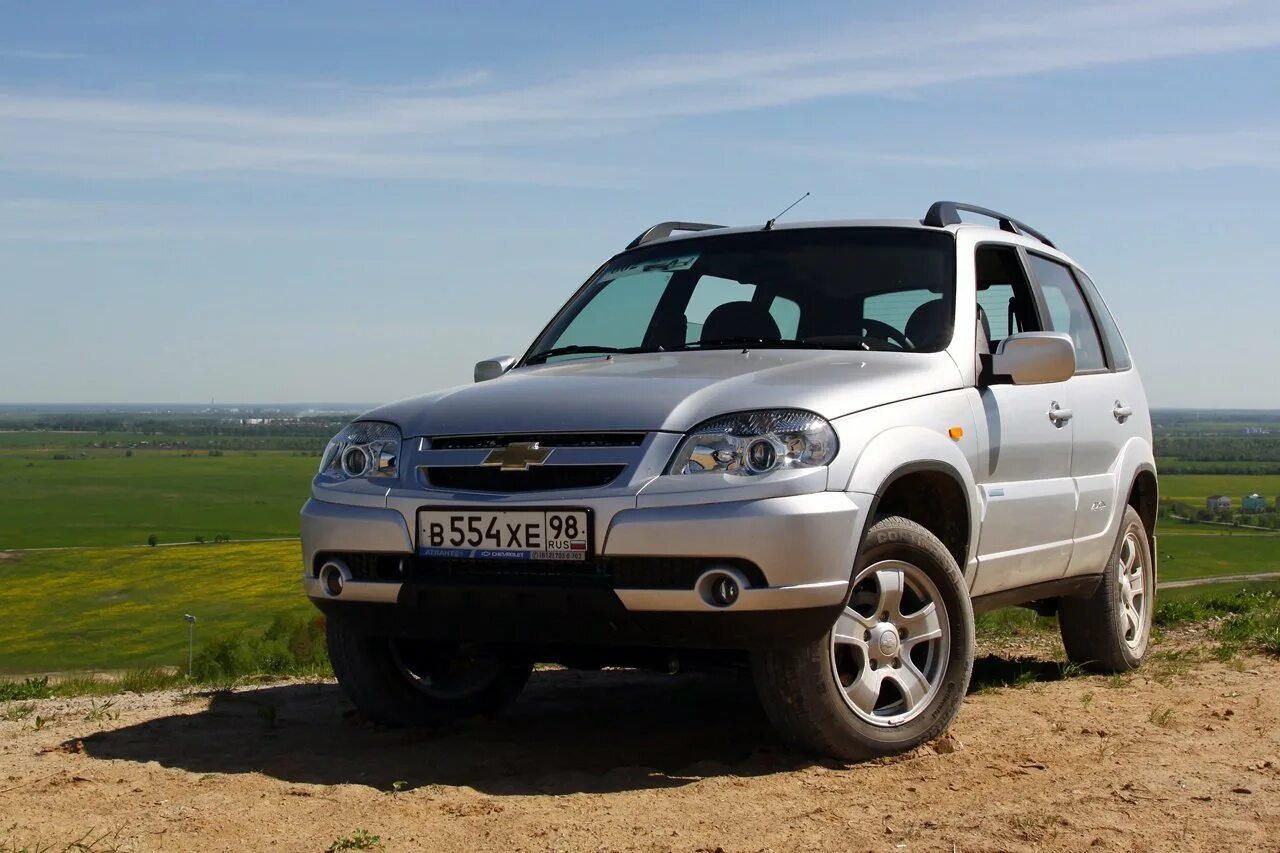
740,320
928,326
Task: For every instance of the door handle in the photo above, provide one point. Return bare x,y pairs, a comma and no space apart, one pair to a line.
1121,412
1058,415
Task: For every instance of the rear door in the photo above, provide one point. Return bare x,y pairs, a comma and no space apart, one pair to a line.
1109,407
1024,465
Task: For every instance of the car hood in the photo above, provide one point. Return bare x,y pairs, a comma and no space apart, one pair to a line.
671,391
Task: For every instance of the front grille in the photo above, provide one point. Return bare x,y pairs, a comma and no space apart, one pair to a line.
549,439
543,478
555,572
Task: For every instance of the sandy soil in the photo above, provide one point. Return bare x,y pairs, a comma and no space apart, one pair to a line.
1185,756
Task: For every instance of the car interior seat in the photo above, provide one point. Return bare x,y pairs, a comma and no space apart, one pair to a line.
740,320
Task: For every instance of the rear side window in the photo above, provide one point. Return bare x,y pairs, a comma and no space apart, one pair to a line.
1068,311
709,294
896,308
1117,352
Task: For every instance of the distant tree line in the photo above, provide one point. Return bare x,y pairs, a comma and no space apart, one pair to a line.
1206,448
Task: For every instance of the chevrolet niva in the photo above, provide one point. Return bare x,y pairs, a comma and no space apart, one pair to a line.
814,450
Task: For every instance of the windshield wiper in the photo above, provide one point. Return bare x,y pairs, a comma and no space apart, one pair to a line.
838,342
744,341
540,357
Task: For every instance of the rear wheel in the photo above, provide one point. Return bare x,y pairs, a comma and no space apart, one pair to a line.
1109,631
406,682
893,670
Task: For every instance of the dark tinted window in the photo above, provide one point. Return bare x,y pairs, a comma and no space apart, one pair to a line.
889,289
1116,350
1068,311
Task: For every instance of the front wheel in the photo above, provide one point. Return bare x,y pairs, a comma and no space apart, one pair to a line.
406,682
893,670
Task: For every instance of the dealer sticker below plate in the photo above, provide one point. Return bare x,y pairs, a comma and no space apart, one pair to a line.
517,535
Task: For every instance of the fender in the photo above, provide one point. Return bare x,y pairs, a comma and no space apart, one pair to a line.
904,450
1136,457
1094,544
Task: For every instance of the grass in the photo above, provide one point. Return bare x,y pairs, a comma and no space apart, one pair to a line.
289,646
358,840
119,500
122,608
1207,552
1194,488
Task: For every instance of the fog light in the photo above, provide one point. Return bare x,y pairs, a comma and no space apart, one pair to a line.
725,591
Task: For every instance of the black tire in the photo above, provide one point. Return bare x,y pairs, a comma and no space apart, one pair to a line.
391,681
801,687
1096,631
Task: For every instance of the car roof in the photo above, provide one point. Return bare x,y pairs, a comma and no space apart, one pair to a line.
995,234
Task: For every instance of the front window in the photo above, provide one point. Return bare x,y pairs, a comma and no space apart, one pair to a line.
890,289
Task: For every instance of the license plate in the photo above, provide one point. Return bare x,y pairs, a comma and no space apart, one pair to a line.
554,534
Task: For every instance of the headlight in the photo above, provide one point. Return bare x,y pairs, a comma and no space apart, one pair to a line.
751,443
363,449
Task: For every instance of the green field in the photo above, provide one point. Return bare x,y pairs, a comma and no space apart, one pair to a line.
115,608
119,500
1203,555
1194,488
96,607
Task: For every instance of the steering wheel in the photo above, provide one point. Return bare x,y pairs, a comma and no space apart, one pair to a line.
884,332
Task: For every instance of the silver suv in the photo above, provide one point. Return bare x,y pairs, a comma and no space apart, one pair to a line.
813,449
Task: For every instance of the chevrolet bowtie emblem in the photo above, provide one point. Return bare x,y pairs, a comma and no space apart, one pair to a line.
517,456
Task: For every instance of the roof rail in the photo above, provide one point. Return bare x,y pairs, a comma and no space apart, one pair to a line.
665,229
943,213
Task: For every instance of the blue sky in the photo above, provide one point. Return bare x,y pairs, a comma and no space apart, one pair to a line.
251,202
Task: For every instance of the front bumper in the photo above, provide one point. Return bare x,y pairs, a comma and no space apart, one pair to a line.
794,555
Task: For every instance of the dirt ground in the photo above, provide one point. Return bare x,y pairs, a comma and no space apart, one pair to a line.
1185,756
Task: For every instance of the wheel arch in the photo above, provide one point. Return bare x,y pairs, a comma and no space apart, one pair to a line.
917,473
1144,495
932,495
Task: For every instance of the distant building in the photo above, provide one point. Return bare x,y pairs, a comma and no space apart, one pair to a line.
1253,503
1218,503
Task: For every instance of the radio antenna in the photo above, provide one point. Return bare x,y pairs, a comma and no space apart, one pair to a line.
768,226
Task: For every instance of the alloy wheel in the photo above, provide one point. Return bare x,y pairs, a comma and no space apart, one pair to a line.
1131,575
891,644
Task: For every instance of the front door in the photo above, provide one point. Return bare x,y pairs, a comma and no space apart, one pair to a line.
1024,464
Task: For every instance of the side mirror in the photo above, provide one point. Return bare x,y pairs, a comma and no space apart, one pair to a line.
1034,358
492,368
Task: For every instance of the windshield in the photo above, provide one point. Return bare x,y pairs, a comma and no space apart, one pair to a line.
890,289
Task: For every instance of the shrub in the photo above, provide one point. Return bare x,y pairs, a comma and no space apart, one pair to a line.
290,645
152,540
29,688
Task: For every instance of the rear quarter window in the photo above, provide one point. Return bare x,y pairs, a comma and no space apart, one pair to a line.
1116,348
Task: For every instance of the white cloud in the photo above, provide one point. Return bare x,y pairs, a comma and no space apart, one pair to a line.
467,126
1173,152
